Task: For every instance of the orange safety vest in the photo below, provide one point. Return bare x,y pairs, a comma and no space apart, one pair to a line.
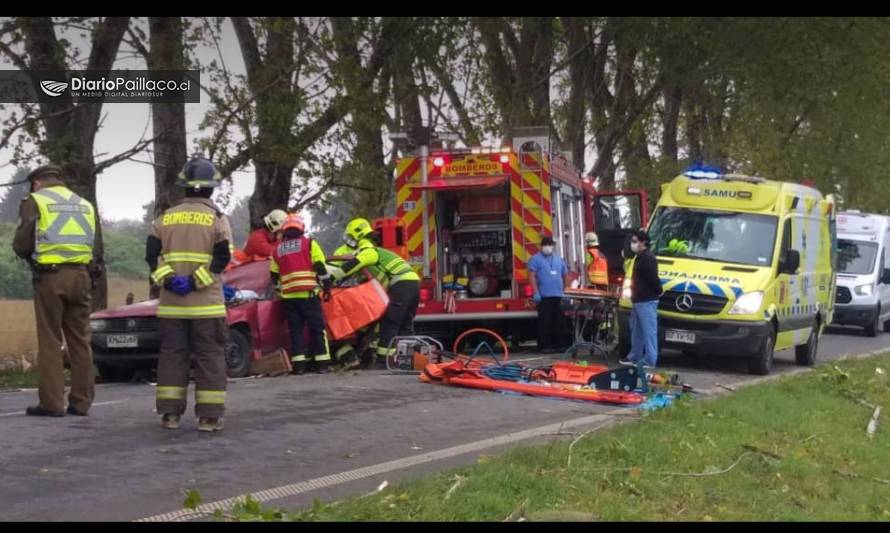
597,267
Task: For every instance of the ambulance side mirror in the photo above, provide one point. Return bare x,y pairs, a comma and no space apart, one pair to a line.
790,262
885,276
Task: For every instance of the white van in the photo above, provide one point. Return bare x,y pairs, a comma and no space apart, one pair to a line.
863,272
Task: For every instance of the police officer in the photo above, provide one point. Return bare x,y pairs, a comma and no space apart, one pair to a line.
394,273
55,235
297,267
186,251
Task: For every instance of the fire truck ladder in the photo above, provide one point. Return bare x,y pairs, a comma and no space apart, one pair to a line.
532,215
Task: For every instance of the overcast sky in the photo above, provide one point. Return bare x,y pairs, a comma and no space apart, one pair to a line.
125,187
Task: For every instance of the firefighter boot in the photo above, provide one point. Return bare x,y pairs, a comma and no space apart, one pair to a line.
322,367
367,358
350,360
299,368
210,424
170,421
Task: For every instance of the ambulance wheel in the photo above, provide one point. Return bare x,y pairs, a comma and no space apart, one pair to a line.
805,355
762,362
871,330
237,354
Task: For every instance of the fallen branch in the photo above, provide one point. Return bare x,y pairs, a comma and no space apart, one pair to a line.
855,475
730,388
679,474
873,423
578,438
518,514
454,487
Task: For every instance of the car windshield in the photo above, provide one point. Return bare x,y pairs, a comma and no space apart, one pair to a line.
713,235
856,257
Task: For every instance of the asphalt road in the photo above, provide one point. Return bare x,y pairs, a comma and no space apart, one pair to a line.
306,437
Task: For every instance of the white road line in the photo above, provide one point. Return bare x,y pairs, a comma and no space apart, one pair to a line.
301,487
22,413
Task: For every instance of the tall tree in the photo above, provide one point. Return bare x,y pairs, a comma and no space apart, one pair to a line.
69,130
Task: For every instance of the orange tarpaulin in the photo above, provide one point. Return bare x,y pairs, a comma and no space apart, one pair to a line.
353,308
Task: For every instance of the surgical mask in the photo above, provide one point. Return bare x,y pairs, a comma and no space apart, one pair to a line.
635,247
547,249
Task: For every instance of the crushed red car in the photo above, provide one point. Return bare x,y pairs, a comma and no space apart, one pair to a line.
125,339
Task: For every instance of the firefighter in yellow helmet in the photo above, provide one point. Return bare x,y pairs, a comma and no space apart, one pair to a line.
394,273
55,236
597,266
187,250
298,267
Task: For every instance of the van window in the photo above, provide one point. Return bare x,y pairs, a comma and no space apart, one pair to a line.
617,212
786,236
856,257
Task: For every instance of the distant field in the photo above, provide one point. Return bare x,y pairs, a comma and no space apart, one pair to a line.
17,330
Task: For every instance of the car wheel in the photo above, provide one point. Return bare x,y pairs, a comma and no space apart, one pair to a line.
805,355
237,354
111,373
871,330
762,362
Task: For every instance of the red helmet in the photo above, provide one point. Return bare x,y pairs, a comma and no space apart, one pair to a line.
293,222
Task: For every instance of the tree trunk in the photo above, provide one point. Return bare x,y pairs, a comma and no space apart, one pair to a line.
71,129
168,119
272,190
579,75
673,98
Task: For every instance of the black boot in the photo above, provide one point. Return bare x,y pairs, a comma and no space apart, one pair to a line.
349,360
299,368
40,411
322,367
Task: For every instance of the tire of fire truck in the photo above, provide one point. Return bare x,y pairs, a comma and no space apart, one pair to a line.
111,372
237,353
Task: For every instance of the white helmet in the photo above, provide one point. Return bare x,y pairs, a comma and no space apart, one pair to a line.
591,239
275,219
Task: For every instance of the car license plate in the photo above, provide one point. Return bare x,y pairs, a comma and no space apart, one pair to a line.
123,341
686,337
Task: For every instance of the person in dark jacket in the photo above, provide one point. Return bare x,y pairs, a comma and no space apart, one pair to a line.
645,291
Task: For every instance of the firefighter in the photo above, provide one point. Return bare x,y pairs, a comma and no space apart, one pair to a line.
297,266
186,251
395,274
597,266
55,236
262,241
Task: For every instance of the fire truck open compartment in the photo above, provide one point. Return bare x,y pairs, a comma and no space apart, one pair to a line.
474,238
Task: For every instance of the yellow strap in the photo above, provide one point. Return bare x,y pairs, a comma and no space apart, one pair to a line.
170,393
210,396
187,257
160,273
192,311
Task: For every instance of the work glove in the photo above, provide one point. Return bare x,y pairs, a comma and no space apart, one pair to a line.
537,298
326,284
229,292
180,285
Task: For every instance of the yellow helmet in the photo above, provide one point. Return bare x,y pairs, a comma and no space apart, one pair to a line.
356,230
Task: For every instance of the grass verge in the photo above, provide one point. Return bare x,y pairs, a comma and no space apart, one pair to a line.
794,449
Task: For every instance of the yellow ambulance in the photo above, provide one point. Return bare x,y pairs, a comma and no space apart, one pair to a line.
747,268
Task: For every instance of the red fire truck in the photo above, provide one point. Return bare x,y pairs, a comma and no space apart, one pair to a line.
470,219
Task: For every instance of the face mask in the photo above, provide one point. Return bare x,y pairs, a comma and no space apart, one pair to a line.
547,250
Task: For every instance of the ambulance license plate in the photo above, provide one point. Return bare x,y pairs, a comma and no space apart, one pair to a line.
123,341
685,337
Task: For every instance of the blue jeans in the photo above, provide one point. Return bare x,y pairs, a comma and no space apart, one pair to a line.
644,332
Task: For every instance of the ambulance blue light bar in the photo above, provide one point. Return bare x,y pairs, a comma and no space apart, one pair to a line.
702,172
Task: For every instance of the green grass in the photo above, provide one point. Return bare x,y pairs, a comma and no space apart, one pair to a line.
17,380
798,445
